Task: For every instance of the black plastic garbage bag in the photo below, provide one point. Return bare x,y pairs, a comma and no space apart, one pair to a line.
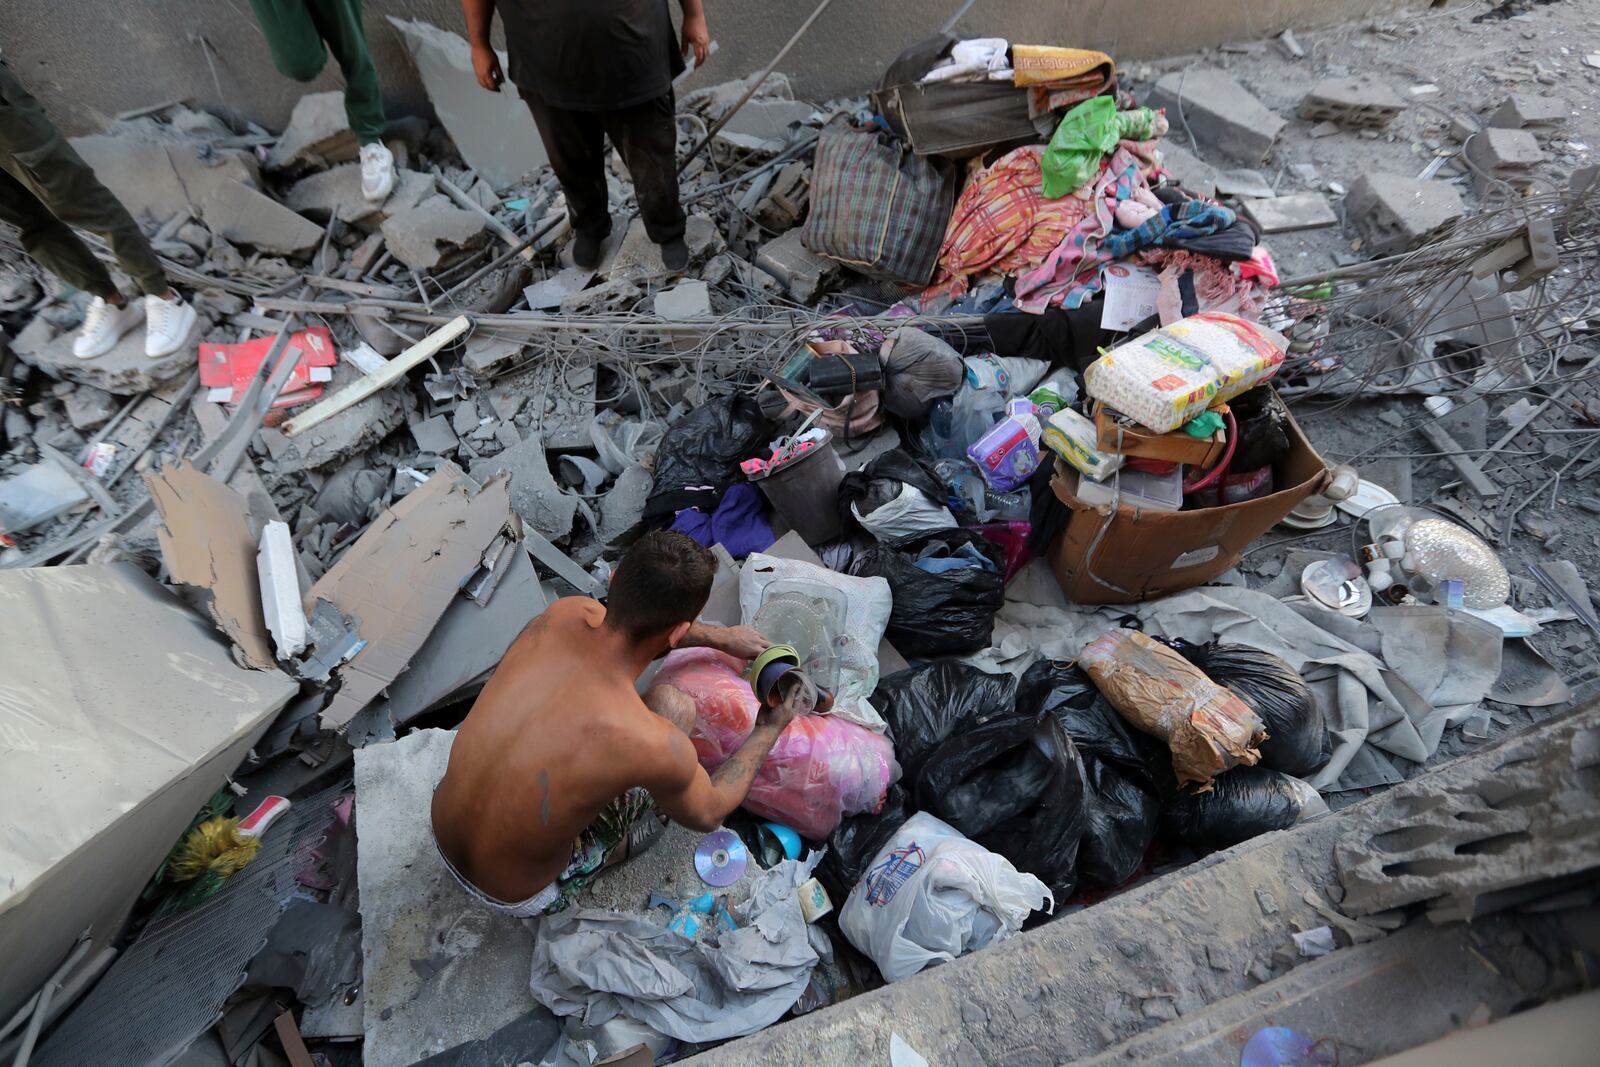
1015,785
859,838
1066,691
937,614
881,481
1243,803
705,448
1122,821
925,705
1297,735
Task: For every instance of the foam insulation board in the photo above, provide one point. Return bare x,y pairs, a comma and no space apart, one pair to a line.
121,712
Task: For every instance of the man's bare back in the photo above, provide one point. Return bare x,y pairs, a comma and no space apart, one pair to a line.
560,732
550,741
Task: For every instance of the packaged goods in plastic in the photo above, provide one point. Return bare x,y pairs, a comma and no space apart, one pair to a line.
820,769
1074,438
1297,734
1170,375
931,895
1207,728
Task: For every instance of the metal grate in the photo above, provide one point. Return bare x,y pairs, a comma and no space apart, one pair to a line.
168,988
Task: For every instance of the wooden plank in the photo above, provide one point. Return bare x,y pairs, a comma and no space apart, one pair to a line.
1478,481
358,391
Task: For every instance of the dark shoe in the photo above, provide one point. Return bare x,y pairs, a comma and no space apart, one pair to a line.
586,250
675,254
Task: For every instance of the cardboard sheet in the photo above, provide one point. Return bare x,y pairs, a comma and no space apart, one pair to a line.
121,712
208,542
402,573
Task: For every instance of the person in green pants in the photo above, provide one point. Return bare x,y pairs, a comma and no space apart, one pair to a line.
300,34
45,190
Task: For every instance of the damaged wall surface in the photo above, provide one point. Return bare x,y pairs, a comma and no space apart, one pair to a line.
145,55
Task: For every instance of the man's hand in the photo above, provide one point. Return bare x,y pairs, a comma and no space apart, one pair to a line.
696,36
799,698
486,65
742,642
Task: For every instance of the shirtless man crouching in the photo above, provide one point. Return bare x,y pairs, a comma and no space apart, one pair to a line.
560,769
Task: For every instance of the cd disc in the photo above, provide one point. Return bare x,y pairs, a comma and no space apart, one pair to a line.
720,858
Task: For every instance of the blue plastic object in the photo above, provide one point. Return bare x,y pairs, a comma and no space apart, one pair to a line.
787,837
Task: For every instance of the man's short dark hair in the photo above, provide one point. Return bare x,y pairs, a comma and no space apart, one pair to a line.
664,579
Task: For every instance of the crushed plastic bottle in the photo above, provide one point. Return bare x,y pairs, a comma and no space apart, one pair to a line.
972,501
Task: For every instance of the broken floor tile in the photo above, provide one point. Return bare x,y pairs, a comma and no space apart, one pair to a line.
434,435
1244,182
548,294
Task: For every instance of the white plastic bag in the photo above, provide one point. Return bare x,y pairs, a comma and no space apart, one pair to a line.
932,895
909,513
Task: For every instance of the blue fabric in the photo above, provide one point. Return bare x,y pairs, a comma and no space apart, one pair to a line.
1174,224
967,557
739,523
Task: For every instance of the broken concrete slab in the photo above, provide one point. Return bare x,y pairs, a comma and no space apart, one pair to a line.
1523,811
802,273
622,508
686,300
244,216
1298,211
769,119
1504,155
138,171
434,435
337,192
1219,110
124,370
209,547
564,403
468,642
399,576
638,258
1242,181
318,135
534,493
547,295
488,356
1361,102
493,131
1525,111
343,434
89,408
438,968
431,233
623,294
1193,173
40,493
1393,214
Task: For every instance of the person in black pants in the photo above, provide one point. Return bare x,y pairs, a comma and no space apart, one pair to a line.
591,69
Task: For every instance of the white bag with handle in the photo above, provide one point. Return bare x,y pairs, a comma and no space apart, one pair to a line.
932,895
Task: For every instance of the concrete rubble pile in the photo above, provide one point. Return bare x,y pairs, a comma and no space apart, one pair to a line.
1018,379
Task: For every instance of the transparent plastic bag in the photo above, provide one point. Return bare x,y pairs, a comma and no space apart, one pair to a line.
821,768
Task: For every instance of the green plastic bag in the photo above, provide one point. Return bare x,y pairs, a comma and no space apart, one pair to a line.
1087,134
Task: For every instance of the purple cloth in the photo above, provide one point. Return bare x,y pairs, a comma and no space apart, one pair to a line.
739,523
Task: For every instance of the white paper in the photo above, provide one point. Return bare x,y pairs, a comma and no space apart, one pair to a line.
902,1054
1130,298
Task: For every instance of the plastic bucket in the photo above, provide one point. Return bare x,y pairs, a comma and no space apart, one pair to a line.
805,492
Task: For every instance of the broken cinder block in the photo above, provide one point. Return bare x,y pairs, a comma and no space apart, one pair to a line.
1506,155
1524,111
1361,103
1393,214
794,266
1220,111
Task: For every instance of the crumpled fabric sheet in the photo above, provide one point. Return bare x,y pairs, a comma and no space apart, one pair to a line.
1443,666
602,964
1071,273
976,59
1003,223
1217,285
739,523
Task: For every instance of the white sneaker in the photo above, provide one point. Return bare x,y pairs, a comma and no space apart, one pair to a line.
103,326
377,172
166,325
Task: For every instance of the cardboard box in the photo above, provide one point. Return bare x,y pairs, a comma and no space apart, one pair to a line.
1131,555
1174,447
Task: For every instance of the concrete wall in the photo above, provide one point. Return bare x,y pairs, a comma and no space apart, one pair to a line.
90,59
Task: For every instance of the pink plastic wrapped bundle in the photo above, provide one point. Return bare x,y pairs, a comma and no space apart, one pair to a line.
821,768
